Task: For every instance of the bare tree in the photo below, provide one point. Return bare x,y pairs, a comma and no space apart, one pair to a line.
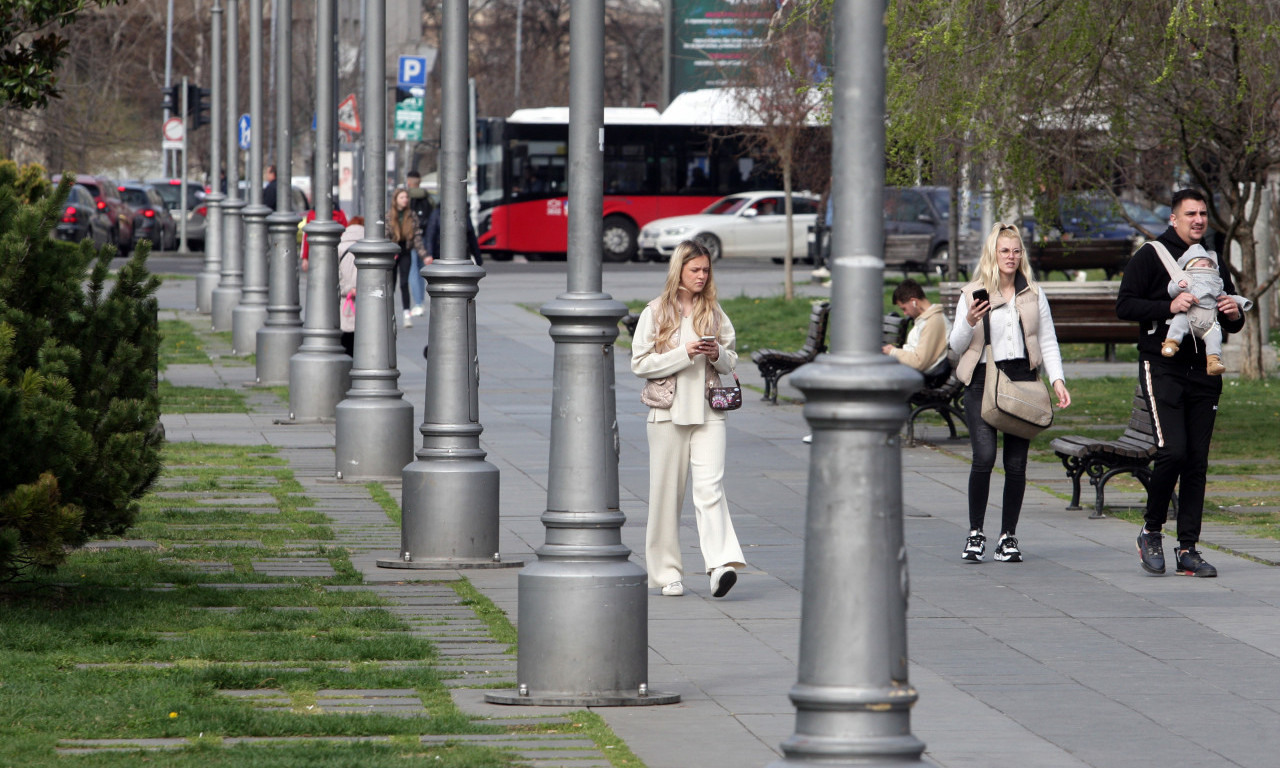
774,90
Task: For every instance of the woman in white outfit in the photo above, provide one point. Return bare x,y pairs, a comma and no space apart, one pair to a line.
678,335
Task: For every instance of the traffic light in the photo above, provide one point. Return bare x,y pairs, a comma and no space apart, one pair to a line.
198,105
172,99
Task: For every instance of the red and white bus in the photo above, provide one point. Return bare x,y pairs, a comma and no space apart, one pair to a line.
655,165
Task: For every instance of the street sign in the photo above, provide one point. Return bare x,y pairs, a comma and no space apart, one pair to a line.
348,117
412,72
409,119
244,132
172,133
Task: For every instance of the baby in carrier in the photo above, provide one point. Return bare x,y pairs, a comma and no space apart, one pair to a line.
1204,283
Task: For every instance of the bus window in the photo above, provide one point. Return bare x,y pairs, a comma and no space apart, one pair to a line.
668,173
489,186
537,168
624,169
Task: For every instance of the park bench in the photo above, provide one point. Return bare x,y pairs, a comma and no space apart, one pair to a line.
942,393
909,253
775,363
1065,256
1083,313
1101,460
945,398
630,321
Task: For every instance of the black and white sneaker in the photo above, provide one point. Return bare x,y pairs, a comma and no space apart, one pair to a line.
1151,551
1190,563
975,547
1007,549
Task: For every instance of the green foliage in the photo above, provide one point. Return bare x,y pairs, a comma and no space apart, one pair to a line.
31,48
79,415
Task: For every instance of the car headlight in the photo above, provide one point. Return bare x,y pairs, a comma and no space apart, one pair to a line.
677,230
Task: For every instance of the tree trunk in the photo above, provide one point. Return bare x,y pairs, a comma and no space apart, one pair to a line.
1251,363
788,260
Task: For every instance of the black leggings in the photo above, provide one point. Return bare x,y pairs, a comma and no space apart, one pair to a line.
404,265
982,437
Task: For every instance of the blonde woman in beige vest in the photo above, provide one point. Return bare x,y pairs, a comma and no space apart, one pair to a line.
1024,345
678,334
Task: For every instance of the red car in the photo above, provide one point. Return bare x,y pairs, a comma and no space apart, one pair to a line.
107,198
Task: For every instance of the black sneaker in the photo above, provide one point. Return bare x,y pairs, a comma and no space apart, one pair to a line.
1190,563
1007,549
975,547
1151,551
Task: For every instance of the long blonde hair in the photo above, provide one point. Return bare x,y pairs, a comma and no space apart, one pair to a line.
988,270
666,308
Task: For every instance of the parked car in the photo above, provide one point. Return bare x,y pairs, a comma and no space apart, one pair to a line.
152,220
1097,216
741,225
82,219
171,191
927,210
108,201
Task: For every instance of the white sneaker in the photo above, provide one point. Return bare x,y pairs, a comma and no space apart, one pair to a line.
674,589
417,310
408,319
722,580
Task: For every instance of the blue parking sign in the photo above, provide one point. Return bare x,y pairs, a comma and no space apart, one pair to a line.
412,72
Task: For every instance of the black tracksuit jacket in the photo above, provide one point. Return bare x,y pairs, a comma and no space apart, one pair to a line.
1144,297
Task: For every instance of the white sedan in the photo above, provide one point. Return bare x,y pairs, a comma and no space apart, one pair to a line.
746,224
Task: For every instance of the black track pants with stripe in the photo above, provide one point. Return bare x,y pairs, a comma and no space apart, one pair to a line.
1184,405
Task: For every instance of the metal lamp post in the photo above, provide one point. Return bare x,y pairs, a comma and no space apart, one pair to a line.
251,312
207,280
281,335
320,372
450,494
583,605
852,697
374,424
227,295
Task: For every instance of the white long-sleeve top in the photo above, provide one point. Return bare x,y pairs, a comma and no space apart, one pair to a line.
690,404
1006,336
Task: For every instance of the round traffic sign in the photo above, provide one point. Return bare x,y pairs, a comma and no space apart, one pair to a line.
173,129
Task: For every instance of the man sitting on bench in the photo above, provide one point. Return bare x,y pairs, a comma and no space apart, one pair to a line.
926,346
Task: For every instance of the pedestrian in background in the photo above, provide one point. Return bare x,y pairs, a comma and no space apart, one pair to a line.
679,334
403,230
1181,394
1005,298
420,203
347,286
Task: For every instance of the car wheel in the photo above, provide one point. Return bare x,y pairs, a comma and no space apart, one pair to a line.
711,243
619,239
498,255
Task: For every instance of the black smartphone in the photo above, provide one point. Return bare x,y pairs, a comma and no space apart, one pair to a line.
981,295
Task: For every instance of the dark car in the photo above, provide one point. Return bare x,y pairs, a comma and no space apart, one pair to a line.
171,191
1096,216
151,220
108,201
81,219
927,210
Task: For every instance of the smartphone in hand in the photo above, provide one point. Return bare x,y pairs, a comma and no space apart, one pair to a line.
981,295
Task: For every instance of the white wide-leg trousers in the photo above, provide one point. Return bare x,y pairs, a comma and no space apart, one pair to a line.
675,452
